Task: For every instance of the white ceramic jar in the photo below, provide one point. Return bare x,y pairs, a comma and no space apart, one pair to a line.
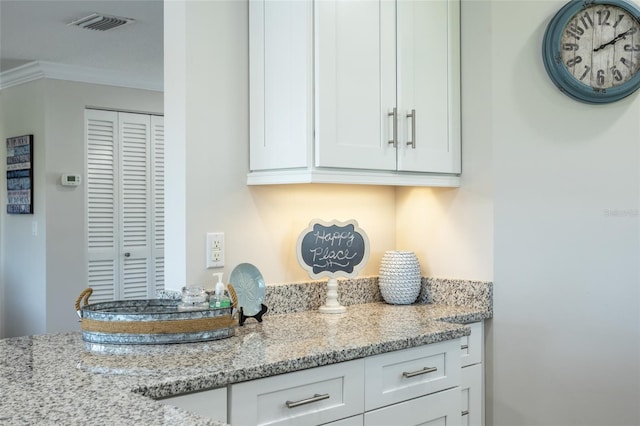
399,277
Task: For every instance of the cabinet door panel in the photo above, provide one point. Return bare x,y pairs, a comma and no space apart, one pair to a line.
355,84
428,82
281,104
472,396
438,409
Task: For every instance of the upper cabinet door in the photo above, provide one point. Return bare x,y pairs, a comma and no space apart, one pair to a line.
429,85
355,83
280,83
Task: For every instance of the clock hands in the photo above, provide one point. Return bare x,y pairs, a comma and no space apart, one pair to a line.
616,39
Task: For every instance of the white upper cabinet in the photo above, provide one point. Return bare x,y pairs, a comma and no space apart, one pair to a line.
362,92
429,85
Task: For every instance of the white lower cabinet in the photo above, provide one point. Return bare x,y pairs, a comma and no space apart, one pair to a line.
472,376
437,384
411,386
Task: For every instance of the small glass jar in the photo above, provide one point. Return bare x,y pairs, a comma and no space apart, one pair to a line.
193,297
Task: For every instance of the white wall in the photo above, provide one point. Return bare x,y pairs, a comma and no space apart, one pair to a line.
566,331
43,275
23,270
451,229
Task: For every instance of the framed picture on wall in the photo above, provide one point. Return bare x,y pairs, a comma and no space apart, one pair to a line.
20,175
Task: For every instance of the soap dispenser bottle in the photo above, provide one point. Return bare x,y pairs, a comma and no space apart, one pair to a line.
219,298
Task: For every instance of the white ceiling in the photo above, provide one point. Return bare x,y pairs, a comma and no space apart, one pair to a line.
36,30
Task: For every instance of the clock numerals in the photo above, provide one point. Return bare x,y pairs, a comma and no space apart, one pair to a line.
618,20
617,75
574,30
570,46
583,33
603,16
628,63
586,21
587,68
603,19
573,61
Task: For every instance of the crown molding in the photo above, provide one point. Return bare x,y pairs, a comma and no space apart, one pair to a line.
41,69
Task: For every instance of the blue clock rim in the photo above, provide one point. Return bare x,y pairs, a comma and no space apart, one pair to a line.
559,74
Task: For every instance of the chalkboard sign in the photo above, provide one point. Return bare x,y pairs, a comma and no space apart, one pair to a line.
332,249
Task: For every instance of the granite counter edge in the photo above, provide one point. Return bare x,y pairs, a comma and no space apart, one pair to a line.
206,382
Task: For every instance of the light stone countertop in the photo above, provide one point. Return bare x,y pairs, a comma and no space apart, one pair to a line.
55,379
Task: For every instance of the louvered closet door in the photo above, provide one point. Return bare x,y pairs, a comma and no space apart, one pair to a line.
125,208
135,205
101,135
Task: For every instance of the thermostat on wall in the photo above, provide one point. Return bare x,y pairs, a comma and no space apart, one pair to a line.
69,179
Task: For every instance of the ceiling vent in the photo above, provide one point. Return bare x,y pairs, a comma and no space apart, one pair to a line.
100,22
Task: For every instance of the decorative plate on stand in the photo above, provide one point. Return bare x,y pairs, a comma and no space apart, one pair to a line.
249,286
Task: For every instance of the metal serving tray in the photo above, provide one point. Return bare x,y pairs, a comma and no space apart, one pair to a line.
151,321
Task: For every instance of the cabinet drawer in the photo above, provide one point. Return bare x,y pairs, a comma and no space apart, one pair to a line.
314,396
442,408
210,404
472,345
397,376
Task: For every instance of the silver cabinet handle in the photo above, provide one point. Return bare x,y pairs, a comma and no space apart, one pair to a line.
412,116
127,254
465,413
463,347
394,115
314,398
419,372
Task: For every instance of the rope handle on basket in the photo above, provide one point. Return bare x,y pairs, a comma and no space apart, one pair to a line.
234,296
86,293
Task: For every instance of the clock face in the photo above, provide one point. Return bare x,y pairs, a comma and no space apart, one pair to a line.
591,49
600,46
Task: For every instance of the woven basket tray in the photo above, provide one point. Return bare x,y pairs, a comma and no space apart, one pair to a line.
151,321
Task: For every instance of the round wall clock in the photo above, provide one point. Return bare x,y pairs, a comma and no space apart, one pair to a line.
591,50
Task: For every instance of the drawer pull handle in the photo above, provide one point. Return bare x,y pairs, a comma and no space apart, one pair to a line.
419,372
465,413
314,398
464,347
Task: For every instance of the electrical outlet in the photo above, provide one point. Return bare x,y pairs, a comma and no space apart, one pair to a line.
215,249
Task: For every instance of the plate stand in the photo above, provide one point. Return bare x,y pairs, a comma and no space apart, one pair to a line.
258,316
332,306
